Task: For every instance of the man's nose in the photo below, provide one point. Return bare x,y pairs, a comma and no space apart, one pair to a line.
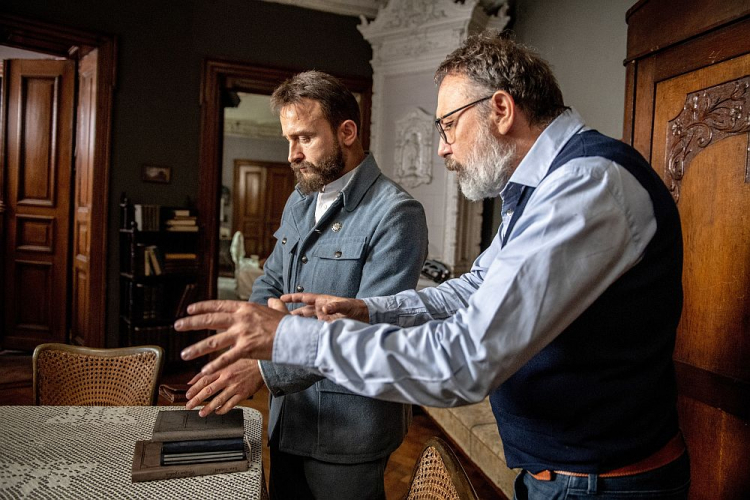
295,154
444,149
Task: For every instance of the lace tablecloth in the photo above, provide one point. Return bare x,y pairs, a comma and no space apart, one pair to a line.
79,452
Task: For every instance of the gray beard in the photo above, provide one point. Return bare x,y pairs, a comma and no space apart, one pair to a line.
488,167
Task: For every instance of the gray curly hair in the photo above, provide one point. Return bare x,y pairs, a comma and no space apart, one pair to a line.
493,61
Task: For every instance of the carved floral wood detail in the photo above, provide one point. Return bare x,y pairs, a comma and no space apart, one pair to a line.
709,115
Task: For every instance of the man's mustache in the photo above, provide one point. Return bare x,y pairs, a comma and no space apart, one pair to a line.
452,165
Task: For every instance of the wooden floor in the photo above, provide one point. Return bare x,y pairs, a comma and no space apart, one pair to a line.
15,389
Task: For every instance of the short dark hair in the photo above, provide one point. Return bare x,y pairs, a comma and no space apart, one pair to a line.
336,101
494,61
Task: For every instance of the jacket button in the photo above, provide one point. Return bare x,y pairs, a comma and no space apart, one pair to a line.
300,288
283,241
337,254
304,259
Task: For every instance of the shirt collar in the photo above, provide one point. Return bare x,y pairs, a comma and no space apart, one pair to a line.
537,161
334,187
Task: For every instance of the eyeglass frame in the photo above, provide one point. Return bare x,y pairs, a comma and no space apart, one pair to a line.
439,124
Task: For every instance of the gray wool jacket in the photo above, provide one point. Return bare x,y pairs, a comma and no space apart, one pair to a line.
372,241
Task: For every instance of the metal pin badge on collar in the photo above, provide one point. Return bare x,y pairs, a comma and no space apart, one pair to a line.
336,227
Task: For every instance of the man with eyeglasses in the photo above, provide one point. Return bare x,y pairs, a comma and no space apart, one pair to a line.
567,320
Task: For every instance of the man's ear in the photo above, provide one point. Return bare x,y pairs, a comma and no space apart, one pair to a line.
347,132
503,112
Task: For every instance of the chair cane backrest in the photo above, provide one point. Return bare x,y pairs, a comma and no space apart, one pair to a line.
438,475
66,375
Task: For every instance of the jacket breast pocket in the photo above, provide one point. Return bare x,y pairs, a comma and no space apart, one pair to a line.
338,265
287,241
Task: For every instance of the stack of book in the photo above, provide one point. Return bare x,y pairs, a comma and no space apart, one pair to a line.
185,263
182,220
184,444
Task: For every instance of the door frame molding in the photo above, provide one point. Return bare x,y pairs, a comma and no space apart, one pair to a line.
218,77
30,34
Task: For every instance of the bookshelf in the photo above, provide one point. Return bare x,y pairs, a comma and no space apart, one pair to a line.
159,265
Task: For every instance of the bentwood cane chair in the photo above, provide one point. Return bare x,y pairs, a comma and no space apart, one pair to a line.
66,375
438,475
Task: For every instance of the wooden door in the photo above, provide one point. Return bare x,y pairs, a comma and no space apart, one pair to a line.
689,97
260,193
82,331
40,104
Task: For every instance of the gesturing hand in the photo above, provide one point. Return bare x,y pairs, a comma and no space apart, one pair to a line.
327,307
249,331
230,385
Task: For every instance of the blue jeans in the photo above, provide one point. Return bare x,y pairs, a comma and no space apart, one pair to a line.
669,482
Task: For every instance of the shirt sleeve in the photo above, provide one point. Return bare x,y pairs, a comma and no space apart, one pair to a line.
582,229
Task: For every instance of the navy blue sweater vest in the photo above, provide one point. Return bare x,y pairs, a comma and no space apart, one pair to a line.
603,393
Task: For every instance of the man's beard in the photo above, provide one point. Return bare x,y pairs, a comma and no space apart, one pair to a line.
488,167
319,175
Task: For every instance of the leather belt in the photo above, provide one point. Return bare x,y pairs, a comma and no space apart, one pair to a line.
667,454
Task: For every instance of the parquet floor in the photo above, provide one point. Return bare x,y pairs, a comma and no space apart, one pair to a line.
17,371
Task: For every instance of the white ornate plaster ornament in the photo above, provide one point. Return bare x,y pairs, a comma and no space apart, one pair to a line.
413,153
411,38
252,129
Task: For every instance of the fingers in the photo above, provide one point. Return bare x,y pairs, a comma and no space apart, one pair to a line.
277,305
304,298
222,361
206,346
208,306
208,321
199,382
305,312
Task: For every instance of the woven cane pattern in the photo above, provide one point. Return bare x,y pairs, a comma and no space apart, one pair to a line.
432,481
65,378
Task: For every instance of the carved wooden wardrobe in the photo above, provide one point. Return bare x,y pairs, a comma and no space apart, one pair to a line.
687,110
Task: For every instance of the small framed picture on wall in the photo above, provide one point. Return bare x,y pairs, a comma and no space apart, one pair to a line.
156,173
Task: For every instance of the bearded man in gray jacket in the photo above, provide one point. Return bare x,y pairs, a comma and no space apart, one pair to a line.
349,231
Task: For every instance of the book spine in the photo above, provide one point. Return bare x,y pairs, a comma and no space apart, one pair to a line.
178,471
191,434
203,445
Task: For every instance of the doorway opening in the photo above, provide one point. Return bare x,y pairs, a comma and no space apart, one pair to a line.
224,86
53,218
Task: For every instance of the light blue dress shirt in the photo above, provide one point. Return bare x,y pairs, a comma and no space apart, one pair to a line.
585,225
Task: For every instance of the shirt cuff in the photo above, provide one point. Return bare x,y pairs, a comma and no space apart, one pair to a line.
296,341
262,373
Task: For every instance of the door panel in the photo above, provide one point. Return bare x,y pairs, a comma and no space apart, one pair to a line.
39,163
80,325
260,193
700,144
701,149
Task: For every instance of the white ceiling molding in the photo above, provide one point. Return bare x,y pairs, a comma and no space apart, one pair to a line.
411,35
367,8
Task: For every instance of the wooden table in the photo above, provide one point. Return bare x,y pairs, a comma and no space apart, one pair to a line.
87,452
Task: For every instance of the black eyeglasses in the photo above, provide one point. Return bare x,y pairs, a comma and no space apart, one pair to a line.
439,121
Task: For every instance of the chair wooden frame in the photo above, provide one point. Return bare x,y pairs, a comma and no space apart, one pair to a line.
439,475
85,376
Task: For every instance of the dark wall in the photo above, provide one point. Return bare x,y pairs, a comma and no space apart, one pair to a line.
161,47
